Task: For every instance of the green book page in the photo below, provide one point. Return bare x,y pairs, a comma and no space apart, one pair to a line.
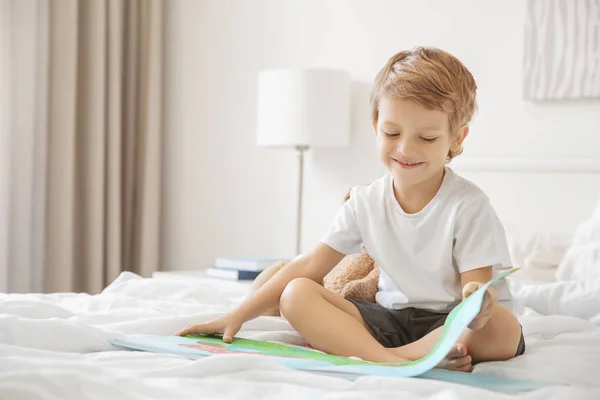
195,346
458,320
301,358
275,349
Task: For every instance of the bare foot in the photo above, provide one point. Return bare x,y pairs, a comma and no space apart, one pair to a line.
457,359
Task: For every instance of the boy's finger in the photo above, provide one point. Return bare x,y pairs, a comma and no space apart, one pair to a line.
488,302
470,288
227,337
467,293
198,328
185,331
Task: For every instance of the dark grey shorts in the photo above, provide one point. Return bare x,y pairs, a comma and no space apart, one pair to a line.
395,328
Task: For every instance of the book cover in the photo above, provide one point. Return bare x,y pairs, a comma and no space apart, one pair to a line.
245,263
232,274
305,359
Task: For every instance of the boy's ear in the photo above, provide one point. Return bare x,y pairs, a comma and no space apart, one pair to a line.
462,134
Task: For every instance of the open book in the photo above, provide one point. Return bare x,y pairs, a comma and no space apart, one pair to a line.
305,359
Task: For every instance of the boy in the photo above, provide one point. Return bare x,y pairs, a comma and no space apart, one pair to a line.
434,235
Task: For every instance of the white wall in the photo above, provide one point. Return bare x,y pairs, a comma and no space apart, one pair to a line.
5,124
225,196
23,51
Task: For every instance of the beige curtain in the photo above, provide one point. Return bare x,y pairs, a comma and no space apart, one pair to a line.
104,141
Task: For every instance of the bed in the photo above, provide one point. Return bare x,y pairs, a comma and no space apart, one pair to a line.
56,345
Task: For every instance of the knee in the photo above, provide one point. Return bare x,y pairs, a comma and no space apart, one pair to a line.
294,295
265,276
508,327
499,338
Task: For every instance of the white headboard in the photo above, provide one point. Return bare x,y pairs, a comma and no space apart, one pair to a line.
544,195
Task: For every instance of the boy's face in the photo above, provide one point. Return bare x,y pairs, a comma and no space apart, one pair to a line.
413,141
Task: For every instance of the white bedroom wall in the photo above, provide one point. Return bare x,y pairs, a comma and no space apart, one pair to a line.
225,196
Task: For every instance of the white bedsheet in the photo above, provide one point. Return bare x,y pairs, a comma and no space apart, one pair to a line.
55,347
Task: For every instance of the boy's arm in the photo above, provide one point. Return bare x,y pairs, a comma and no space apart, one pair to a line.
471,280
482,275
314,265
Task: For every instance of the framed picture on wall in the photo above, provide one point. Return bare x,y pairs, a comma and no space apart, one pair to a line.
562,50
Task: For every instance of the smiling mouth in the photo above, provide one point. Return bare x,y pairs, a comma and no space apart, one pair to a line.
406,164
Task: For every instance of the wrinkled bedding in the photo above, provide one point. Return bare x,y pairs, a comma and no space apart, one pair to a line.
54,346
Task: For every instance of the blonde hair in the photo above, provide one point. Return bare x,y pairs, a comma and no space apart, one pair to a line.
434,79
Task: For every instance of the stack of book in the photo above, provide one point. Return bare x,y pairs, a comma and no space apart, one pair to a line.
240,269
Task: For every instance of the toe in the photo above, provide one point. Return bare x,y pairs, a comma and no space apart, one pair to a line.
458,362
457,359
465,368
458,350
462,361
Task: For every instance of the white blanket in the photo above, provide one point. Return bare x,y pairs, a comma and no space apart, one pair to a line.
55,347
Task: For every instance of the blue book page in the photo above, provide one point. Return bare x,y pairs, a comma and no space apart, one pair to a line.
460,317
456,322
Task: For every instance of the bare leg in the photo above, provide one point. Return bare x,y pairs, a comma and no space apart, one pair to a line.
497,340
334,325
263,278
330,323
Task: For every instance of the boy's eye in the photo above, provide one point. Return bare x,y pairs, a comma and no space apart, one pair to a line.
430,140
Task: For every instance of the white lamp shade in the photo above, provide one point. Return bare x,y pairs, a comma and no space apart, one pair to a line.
304,107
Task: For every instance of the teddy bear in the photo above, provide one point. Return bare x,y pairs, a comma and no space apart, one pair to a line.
356,277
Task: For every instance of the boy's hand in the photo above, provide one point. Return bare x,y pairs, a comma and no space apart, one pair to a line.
486,306
228,325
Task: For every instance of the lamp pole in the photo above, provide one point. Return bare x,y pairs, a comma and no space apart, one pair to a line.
300,150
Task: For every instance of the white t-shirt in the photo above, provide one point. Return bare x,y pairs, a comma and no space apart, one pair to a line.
421,255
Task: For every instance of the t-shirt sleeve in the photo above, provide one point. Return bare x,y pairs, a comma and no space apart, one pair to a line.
480,239
343,234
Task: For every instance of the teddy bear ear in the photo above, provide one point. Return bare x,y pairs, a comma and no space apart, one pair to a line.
347,196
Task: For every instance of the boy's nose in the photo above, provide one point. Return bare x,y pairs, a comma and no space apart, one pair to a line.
405,148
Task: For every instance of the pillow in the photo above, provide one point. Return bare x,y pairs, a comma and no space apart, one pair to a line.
582,260
536,250
596,215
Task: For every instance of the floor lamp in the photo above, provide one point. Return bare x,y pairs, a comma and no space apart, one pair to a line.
303,109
